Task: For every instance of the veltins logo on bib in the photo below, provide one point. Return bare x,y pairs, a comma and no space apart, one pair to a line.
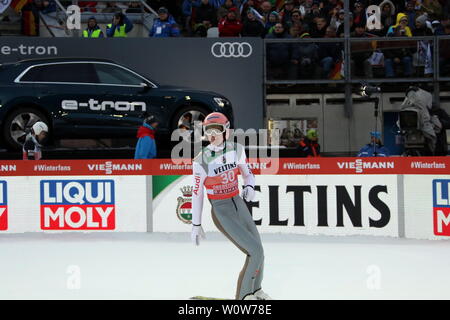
3,206
77,205
441,207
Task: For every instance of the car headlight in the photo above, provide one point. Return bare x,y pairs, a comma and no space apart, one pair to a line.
221,102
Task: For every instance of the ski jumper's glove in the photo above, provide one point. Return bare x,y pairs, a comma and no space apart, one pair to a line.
248,193
197,233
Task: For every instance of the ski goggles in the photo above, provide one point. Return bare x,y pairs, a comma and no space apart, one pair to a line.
214,129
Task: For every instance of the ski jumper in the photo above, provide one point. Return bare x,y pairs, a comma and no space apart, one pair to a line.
229,211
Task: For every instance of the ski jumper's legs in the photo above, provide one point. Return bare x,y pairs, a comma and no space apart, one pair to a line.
232,218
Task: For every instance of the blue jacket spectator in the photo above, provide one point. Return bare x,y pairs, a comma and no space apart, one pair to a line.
119,27
164,26
375,148
146,146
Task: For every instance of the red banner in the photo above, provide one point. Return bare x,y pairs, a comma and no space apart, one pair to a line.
390,165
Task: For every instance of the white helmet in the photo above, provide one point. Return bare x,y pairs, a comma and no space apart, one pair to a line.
39,126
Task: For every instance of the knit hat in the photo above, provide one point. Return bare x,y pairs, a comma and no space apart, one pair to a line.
311,134
375,134
422,19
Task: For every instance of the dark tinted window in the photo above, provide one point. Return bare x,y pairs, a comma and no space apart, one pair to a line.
110,74
66,72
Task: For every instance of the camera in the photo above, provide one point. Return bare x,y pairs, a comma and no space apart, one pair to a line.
367,91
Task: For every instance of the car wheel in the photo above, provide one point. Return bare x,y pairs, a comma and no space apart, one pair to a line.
189,115
18,124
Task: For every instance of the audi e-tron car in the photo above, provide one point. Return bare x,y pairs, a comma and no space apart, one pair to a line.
92,98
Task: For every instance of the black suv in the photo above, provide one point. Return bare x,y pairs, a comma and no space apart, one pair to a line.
93,98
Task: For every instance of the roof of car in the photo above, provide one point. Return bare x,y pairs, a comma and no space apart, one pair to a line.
66,59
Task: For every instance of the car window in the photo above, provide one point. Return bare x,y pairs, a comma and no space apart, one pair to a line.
110,74
64,72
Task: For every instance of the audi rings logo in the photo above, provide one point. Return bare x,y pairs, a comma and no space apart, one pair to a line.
231,49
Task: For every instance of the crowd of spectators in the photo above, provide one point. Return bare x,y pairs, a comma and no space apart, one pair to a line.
298,19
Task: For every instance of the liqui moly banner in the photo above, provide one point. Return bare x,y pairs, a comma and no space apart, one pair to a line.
75,204
78,205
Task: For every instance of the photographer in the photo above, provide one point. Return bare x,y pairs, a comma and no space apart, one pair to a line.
441,136
32,146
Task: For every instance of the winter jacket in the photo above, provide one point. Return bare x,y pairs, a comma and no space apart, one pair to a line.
164,29
111,29
308,148
229,28
253,29
392,29
206,13
441,137
371,150
146,146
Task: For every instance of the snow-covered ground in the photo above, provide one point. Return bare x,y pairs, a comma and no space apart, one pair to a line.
168,266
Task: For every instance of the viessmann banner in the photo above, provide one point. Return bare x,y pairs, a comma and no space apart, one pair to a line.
237,62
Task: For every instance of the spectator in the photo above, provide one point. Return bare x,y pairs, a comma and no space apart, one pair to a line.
387,15
308,146
360,59
340,33
92,30
314,13
274,18
295,31
421,28
337,18
205,18
252,27
278,54
433,8
441,142
410,11
230,26
225,8
437,28
332,8
306,7
359,14
146,146
305,58
375,148
296,18
319,28
134,7
401,28
329,53
286,12
164,26
32,147
120,26
265,10
403,56
186,10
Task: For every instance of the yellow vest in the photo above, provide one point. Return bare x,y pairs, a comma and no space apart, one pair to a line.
119,32
94,34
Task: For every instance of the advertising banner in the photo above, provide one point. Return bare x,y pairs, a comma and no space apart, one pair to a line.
82,203
427,206
303,204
